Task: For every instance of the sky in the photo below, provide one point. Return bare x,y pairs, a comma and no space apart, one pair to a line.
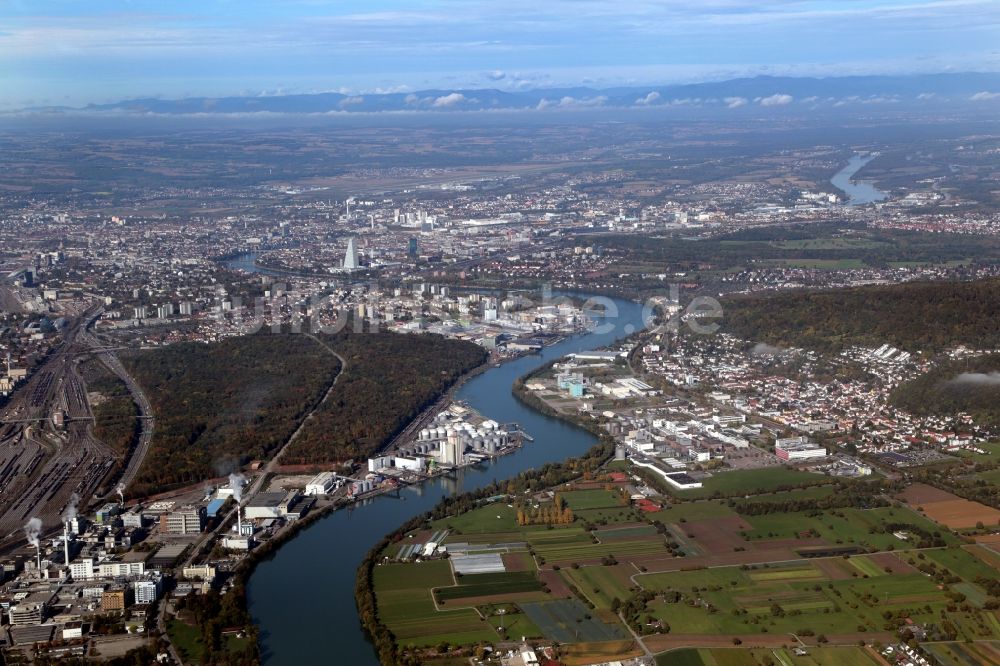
74,52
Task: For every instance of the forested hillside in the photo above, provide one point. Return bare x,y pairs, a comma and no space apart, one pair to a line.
220,404
227,403
389,380
970,385
926,316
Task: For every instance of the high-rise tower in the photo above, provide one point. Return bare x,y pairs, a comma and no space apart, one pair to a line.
351,256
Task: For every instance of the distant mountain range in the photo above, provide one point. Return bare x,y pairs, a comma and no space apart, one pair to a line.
761,91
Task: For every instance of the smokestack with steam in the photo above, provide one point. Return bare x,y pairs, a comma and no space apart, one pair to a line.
32,530
120,489
69,515
66,542
236,481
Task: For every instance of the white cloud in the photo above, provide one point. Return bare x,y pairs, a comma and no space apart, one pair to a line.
411,99
978,378
352,101
924,96
572,102
445,101
496,75
648,99
736,102
985,96
779,99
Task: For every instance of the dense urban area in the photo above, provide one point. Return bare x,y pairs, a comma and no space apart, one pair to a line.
213,342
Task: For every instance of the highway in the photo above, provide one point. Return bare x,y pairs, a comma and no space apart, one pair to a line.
107,356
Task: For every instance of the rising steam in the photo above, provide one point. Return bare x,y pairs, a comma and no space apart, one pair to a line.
32,530
70,513
236,481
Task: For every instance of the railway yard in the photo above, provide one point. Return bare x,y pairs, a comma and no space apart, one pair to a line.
48,452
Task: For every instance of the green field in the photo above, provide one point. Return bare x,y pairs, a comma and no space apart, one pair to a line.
580,547
481,585
600,584
965,654
860,527
961,563
753,481
496,517
812,492
592,499
790,598
866,566
405,605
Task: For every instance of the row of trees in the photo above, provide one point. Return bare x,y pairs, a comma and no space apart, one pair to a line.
545,514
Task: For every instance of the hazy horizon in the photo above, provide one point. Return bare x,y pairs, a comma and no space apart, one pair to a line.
76,54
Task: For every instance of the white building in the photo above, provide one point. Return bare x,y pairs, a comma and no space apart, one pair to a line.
146,591
798,448
116,569
322,484
82,570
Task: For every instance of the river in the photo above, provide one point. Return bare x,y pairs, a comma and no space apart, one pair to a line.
858,192
303,597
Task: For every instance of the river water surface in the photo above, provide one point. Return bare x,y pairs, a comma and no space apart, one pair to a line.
859,192
303,597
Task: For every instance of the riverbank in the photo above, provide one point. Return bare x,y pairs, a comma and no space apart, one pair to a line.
388,649
311,572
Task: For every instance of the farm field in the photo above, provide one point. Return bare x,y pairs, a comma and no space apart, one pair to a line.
966,654
405,605
600,584
753,481
569,621
828,656
794,597
948,509
489,584
717,568
962,563
869,528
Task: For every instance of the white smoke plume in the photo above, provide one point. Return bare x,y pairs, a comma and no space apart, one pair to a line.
763,349
236,481
978,378
70,512
120,489
32,530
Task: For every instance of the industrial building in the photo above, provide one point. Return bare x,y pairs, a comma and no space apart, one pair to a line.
114,600
289,505
798,448
186,520
322,484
